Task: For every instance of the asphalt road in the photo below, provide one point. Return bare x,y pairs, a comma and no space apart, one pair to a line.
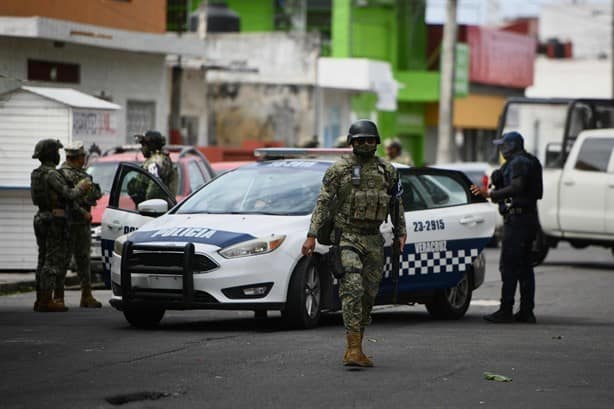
212,359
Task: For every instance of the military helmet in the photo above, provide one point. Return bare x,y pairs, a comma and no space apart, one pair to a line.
363,128
153,139
45,147
75,149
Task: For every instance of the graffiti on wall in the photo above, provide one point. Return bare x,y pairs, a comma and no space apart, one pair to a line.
90,123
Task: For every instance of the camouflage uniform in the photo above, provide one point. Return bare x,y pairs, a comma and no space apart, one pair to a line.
50,193
142,188
361,210
159,164
80,234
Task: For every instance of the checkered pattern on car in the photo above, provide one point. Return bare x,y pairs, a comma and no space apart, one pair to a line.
432,262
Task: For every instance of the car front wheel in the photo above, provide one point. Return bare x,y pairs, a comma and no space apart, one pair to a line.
452,303
303,304
143,318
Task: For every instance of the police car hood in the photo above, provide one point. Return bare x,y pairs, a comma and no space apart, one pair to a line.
217,230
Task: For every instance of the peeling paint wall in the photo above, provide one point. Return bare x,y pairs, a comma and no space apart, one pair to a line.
263,112
276,103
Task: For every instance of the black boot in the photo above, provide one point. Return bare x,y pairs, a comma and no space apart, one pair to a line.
502,316
525,316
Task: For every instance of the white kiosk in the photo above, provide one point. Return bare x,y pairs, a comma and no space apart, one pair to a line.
27,115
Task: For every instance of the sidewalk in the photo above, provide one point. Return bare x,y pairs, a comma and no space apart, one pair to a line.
23,281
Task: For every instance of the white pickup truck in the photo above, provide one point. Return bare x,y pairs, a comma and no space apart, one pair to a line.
578,202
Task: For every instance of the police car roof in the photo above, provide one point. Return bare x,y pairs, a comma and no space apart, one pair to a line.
300,153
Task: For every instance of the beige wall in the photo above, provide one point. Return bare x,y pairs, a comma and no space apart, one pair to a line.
136,15
472,112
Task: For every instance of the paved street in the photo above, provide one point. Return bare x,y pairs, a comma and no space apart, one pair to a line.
211,359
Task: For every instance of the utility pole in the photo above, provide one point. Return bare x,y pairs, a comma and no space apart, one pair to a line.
445,142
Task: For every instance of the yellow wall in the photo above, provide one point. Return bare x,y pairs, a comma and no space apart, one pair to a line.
136,15
473,112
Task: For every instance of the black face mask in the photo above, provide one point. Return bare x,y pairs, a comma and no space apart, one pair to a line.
55,158
146,151
364,150
508,149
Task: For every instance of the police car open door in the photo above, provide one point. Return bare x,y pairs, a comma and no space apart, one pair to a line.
136,197
447,228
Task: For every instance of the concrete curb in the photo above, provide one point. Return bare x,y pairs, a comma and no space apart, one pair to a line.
22,284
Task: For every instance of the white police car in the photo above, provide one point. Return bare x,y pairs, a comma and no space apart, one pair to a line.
236,244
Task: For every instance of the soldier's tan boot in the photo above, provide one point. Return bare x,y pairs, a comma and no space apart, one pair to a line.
87,299
47,304
354,355
58,296
365,356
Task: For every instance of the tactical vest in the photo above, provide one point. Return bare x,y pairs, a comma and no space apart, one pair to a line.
363,192
39,189
536,189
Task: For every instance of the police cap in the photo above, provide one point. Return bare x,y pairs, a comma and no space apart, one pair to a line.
510,137
74,149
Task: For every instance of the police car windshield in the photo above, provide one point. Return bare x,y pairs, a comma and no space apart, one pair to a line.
284,187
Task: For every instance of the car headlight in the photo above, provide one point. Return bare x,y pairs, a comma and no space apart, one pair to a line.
261,245
118,244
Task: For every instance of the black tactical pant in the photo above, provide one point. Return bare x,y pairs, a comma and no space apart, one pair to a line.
515,264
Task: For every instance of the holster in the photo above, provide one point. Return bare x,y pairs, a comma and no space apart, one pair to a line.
333,258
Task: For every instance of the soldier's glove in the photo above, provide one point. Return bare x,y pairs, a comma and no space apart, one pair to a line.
84,185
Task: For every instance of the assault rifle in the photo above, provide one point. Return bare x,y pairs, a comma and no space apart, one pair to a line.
395,257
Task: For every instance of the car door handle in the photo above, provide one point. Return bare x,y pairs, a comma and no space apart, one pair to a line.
471,220
115,224
569,182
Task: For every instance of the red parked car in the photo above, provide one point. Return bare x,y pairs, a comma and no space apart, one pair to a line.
193,170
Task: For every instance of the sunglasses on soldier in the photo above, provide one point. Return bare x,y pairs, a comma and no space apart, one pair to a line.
369,140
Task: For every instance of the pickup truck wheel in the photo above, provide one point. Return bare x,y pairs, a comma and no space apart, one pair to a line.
540,248
452,303
303,304
143,318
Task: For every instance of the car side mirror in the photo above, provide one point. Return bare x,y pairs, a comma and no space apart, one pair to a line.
153,207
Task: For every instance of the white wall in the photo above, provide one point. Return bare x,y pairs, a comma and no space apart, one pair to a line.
121,75
571,78
335,115
25,119
17,242
588,25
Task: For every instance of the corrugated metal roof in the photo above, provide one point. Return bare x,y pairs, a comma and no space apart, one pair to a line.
72,97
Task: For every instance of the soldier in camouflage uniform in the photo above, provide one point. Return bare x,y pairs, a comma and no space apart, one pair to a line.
362,185
51,193
79,225
159,164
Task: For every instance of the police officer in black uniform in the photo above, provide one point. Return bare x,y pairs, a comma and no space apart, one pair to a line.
517,191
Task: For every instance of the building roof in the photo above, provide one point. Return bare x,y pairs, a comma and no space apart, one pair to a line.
98,36
71,97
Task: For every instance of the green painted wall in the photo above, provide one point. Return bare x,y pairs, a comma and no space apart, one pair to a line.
418,86
256,15
342,22
373,34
